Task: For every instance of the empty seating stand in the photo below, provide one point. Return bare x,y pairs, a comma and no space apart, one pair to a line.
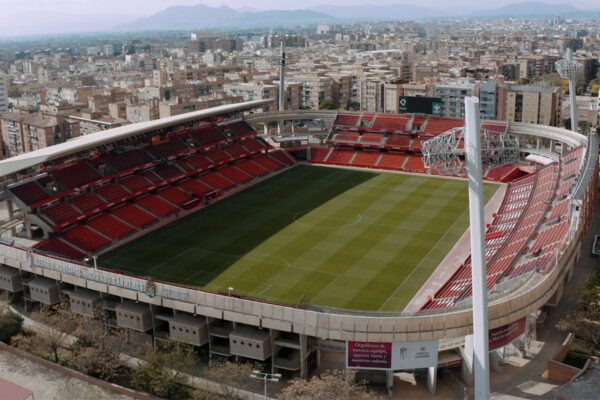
350,120
252,168
85,238
216,181
398,142
56,246
62,214
169,173
367,159
75,175
267,162
88,202
218,156
207,135
136,184
175,195
253,145
437,125
111,226
197,188
235,150
167,149
200,162
30,193
341,156
239,128
319,154
113,193
157,205
134,215
390,123
282,156
235,174
393,161
128,160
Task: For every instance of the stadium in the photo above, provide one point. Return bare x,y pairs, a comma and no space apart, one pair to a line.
322,240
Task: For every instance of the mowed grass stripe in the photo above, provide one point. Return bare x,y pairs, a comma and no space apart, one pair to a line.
336,238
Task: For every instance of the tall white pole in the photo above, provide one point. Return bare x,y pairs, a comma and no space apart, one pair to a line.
282,91
572,94
478,268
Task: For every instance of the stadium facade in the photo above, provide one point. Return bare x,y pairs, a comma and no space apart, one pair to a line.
533,240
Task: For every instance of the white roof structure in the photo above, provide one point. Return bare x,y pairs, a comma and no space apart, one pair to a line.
76,145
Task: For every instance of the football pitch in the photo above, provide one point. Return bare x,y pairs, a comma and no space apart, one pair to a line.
329,237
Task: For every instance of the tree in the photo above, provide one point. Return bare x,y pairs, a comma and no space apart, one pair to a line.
584,322
328,105
10,323
164,370
100,350
52,332
14,91
332,385
231,377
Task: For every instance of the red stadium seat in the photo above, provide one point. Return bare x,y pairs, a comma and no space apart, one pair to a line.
85,238
111,226
57,246
134,215
156,205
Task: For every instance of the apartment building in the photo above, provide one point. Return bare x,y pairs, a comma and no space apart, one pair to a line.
181,106
453,94
532,104
256,90
316,88
23,132
3,93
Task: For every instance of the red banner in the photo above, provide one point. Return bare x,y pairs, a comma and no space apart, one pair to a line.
505,334
369,355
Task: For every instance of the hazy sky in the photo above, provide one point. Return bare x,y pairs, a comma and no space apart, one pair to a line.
147,7
41,17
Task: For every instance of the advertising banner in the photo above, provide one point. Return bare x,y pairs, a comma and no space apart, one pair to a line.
505,334
392,356
422,105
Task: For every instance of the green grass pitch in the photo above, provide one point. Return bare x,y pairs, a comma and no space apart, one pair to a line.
331,237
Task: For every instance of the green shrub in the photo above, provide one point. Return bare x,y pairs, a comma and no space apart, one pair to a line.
10,325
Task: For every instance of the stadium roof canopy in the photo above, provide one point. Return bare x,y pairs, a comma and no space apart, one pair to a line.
82,143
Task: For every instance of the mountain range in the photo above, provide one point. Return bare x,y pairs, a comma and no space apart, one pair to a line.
204,17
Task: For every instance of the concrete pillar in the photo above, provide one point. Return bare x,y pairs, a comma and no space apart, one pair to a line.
11,214
272,340
467,356
303,356
497,359
389,382
28,226
432,379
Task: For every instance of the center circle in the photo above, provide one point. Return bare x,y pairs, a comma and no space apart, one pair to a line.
327,218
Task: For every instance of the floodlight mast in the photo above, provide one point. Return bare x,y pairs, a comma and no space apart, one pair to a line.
571,69
478,267
282,91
